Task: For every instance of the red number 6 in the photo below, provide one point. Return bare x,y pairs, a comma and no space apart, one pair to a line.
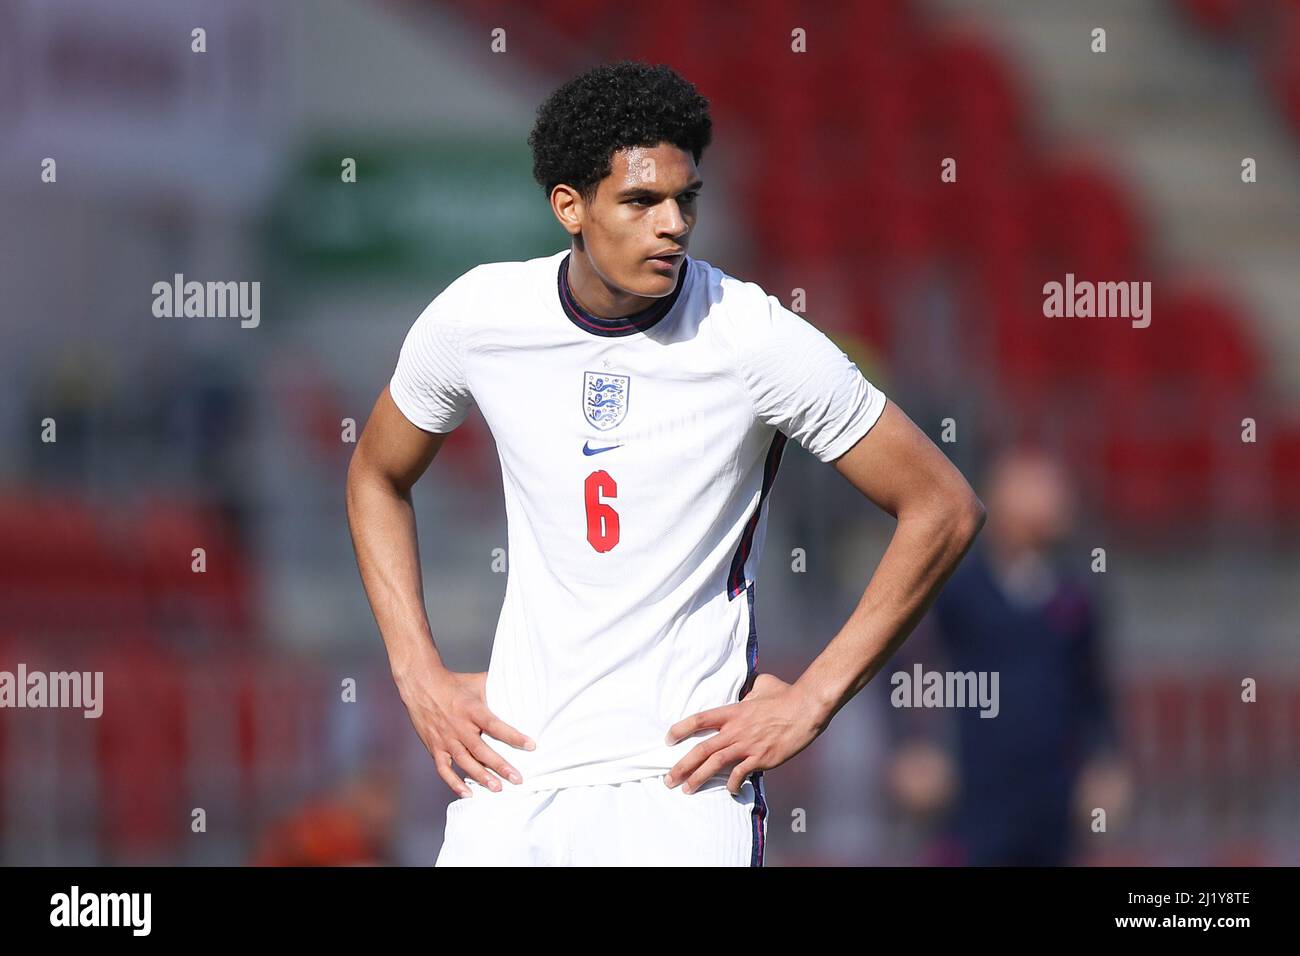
602,520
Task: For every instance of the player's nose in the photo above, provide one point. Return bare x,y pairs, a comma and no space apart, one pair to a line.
673,222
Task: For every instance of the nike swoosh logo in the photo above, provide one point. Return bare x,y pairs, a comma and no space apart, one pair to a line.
588,450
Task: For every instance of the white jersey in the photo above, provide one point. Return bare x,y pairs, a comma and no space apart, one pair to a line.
637,456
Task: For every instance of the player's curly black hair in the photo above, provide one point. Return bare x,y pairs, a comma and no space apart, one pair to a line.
619,105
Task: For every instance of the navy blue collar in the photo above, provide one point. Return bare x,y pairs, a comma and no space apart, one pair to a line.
624,324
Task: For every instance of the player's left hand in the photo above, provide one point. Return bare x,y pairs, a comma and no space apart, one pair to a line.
773,722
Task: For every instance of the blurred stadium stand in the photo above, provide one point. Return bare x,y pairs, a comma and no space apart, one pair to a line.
196,434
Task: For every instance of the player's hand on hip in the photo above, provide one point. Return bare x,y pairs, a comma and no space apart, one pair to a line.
769,726
450,713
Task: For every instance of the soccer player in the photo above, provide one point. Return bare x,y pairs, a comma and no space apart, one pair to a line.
640,400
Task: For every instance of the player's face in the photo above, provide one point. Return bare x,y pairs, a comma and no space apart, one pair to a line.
643,211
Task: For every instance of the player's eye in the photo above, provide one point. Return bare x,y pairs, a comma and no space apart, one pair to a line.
650,200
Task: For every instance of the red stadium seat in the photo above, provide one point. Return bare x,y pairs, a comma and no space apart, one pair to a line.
141,753
1087,220
1158,483
1283,69
1224,17
973,108
66,569
1207,341
217,598
1284,466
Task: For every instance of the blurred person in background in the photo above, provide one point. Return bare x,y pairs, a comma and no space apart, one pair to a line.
1026,781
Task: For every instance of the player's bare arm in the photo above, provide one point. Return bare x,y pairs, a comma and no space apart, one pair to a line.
938,516
448,709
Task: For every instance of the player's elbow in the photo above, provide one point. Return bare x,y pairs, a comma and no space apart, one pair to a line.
946,508
952,512
948,514
966,514
977,514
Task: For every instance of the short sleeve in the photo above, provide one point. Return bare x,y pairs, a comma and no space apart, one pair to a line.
799,380
429,385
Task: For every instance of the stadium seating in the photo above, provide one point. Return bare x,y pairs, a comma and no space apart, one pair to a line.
69,568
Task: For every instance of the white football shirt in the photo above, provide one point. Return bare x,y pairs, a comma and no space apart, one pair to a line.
637,456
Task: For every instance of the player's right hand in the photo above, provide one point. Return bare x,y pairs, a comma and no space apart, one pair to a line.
450,713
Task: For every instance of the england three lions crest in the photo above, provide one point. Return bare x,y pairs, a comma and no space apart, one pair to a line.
604,398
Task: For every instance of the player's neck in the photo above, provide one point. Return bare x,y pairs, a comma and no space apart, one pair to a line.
596,296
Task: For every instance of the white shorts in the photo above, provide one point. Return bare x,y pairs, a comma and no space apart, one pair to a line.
635,823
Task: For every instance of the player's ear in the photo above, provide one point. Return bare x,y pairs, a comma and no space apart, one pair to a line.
568,206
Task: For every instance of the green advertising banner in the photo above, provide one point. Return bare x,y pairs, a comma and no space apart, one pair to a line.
419,209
